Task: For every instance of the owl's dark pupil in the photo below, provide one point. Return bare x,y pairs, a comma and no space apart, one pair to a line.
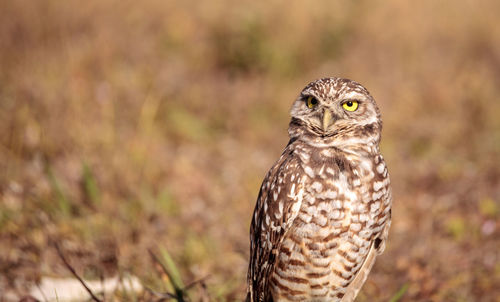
349,103
314,101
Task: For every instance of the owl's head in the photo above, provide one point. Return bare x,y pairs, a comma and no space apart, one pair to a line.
335,111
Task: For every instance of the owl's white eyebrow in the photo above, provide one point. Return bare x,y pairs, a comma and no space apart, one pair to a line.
353,95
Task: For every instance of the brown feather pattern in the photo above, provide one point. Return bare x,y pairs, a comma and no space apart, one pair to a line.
324,208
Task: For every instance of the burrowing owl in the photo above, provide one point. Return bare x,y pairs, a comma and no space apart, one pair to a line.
324,208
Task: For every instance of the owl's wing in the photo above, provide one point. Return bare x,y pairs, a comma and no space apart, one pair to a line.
376,248
279,201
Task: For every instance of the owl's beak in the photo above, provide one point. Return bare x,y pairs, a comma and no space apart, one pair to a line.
327,119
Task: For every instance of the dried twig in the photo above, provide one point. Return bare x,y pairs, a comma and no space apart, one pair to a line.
201,280
165,295
72,270
204,296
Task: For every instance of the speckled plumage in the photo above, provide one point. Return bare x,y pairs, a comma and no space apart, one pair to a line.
324,208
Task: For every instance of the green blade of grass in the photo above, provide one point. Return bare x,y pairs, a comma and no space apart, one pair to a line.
400,293
62,201
90,185
174,272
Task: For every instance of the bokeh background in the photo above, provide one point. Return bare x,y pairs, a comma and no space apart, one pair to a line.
127,126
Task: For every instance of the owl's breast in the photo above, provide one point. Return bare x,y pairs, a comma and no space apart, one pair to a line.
324,247
331,235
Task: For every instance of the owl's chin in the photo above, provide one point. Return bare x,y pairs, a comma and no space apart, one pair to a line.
308,137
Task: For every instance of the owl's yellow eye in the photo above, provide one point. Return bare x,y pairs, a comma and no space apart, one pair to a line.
311,102
350,105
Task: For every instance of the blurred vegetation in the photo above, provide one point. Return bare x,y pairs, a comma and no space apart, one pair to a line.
125,126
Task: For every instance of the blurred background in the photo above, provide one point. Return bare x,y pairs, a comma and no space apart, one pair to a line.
127,126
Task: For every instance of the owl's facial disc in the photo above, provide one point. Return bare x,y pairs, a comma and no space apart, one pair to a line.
333,109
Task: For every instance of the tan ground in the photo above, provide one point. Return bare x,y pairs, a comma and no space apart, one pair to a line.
128,125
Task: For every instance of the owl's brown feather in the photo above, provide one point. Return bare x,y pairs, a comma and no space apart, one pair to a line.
324,208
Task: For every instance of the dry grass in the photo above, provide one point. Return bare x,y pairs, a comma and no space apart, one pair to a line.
127,126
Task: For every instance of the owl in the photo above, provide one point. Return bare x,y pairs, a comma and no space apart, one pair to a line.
324,209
